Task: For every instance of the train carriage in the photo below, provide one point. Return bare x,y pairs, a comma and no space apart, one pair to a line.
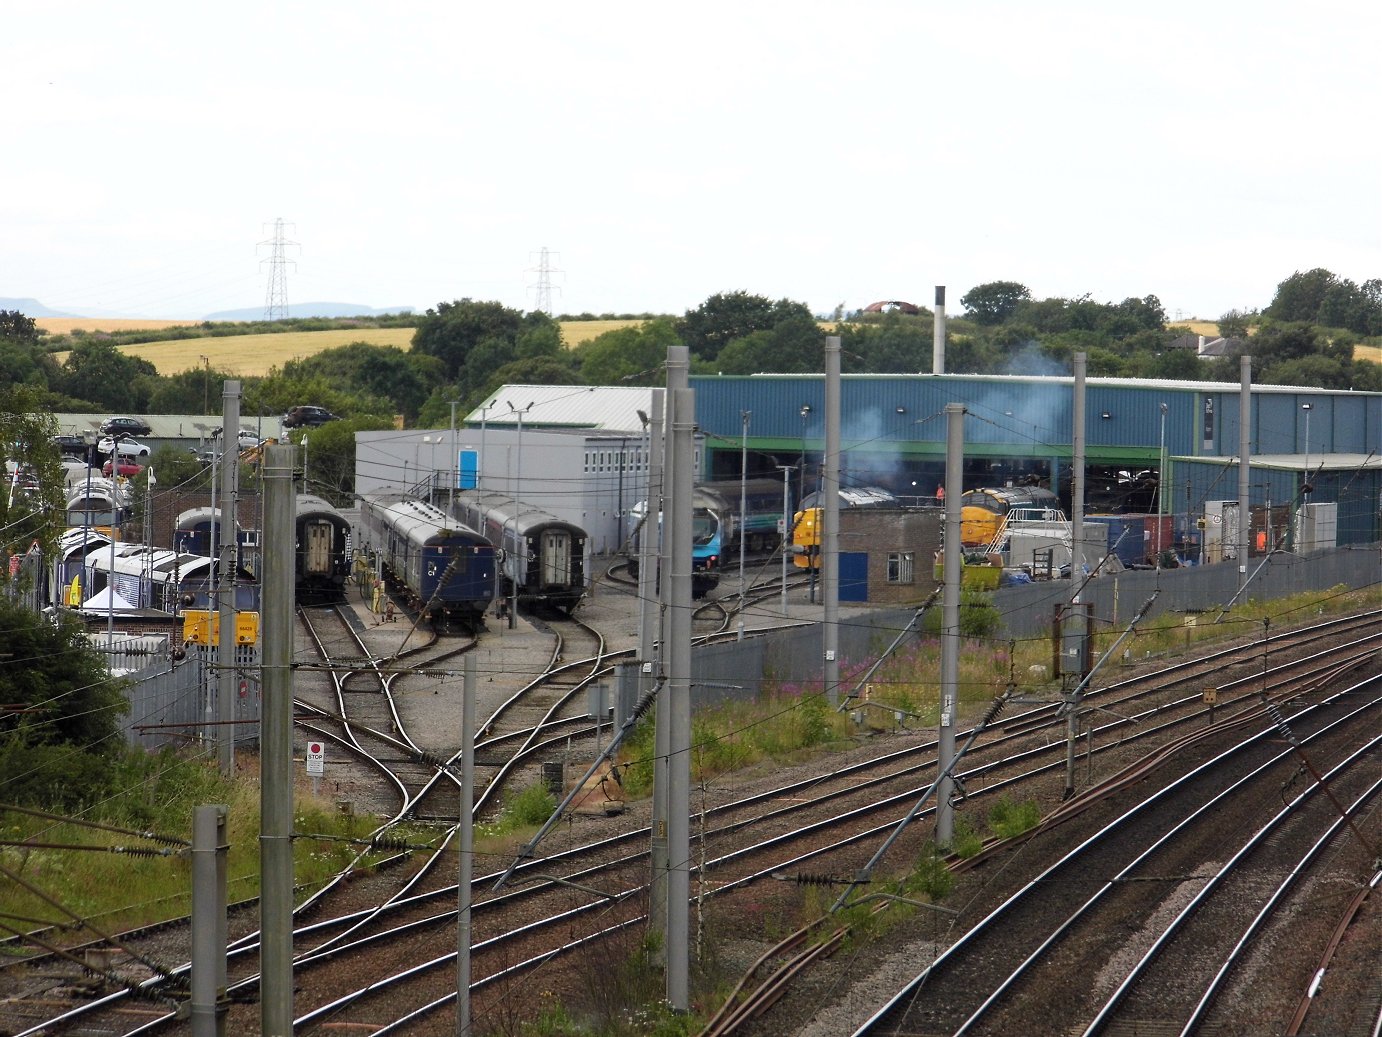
162,579
195,531
441,565
321,561
73,545
543,557
99,504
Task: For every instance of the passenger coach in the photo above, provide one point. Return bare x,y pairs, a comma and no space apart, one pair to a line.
544,557
439,564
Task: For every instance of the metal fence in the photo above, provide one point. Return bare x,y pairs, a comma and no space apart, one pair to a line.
174,703
793,659
1026,610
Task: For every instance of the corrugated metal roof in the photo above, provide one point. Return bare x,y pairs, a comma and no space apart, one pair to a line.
597,407
1296,462
1018,379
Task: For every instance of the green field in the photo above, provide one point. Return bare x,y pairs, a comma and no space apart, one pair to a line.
253,355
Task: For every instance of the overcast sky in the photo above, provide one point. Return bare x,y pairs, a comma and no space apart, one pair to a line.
823,152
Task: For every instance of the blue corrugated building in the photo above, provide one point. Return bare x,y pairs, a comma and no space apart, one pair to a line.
1016,428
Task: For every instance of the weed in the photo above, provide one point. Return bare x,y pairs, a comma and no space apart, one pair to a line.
931,876
967,841
1009,819
527,807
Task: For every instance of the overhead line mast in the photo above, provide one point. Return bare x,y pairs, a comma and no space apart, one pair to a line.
542,290
276,297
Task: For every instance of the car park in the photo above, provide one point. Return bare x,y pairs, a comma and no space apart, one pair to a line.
307,417
122,425
125,446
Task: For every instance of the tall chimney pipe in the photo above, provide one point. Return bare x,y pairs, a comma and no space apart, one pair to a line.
938,342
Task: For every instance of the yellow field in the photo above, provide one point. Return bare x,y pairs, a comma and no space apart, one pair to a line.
1196,327
574,332
1373,353
252,355
62,325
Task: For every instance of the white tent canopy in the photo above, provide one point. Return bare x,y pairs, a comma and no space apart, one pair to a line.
107,601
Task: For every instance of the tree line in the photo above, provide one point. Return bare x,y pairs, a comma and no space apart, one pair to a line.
462,351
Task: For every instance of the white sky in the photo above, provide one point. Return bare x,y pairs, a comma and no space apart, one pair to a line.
825,152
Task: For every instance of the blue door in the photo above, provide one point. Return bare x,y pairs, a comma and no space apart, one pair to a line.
854,576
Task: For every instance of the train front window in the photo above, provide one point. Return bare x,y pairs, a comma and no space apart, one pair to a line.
704,526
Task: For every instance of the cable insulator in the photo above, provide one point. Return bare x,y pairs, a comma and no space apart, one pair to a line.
995,708
644,704
389,842
817,880
618,778
1280,721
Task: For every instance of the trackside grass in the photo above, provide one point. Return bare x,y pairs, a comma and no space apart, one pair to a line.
120,890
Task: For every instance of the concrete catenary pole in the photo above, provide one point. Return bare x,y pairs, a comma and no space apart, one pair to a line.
678,377
938,333
679,703
276,749
950,617
830,522
209,851
743,514
1244,467
465,847
1073,630
229,549
786,470
650,645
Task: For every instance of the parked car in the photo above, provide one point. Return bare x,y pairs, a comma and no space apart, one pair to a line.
248,438
72,446
129,469
307,416
125,446
126,426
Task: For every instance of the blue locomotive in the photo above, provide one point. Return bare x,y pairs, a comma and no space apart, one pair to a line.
443,567
719,525
543,557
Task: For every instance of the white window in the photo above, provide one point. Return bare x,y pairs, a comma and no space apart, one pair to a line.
901,567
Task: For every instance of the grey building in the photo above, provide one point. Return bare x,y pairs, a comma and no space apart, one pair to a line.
563,461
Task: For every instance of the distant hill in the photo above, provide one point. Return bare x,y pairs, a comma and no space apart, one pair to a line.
34,308
31,308
310,309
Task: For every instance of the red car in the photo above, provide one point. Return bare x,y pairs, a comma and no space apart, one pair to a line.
127,468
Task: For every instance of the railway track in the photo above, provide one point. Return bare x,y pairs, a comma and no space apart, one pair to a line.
1143,882
810,823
